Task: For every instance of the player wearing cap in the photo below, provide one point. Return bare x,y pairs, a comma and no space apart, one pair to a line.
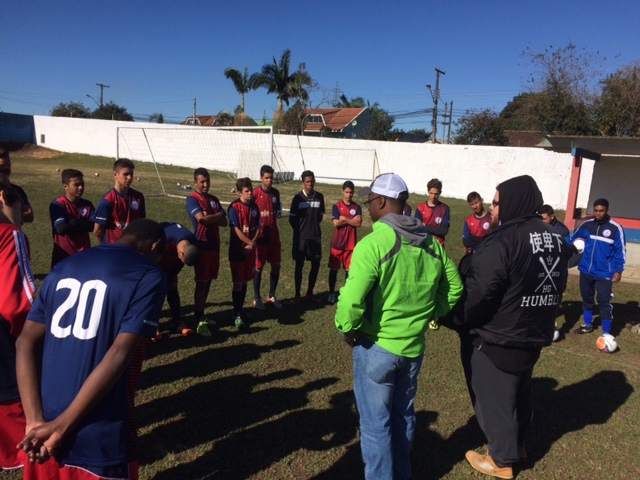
400,279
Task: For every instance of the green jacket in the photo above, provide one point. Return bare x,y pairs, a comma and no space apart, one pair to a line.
400,278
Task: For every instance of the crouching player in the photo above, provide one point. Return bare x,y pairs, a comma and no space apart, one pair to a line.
74,353
181,250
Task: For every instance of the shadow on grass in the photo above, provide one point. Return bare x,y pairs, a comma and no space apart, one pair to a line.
233,414
572,312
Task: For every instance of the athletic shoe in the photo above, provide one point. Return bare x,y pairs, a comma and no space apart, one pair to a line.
274,301
182,329
312,298
486,465
257,303
203,329
239,323
433,325
583,329
331,299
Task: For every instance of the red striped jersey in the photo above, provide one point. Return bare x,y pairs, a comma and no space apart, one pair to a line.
345,237
270,209
61,210
246,217
208,235
115,211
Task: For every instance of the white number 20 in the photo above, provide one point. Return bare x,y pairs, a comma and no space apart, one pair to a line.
79,295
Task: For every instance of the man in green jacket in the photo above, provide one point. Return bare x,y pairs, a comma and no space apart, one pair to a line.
400,279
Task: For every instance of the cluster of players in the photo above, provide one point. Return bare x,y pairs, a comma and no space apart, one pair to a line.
60,329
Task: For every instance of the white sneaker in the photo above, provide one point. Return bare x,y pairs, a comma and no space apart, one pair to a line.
274,301
258,304
332,298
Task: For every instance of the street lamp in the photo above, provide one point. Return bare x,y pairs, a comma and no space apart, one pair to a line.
93,100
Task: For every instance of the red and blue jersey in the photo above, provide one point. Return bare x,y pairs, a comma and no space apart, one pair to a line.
268,203
407,210
246,217
175,234
76,238
85,303
474,229
115,211
17,291
435,219
208,235
346,236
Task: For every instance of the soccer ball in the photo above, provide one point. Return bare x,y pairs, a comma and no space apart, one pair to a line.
57,169
556,335
606,343
579,245
97,174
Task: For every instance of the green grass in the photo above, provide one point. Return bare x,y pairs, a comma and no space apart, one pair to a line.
276,402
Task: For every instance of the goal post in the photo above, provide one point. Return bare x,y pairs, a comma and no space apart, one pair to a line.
237,151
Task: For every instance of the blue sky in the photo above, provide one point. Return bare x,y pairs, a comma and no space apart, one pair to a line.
157,56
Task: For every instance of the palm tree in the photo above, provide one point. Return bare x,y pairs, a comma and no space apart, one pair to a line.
242,82
344,102
275,77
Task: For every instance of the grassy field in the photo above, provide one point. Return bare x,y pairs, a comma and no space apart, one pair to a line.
275,402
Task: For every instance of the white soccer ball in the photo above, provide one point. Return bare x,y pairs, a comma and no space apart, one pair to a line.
57,169
97,174
137,179
606,343
556,335
579,245
178,184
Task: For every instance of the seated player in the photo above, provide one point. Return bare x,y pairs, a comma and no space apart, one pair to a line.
70,218
75,350
346,216
434,214
207,216
244,219
120,206
180,250
17,289
476,226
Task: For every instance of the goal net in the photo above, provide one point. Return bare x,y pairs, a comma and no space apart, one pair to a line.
236,151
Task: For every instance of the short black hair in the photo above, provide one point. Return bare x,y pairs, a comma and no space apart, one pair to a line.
243,183
145,229
306,174
265,169
4,154
547,210
473,196
348,184
434,183
200,172
69,173
123,163
601,202
11,196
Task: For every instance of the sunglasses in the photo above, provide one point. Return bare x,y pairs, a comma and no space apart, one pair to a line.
368,202
495,203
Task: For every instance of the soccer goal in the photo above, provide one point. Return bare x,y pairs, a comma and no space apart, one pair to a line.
237,151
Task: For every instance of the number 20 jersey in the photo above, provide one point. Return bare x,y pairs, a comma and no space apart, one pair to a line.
85,303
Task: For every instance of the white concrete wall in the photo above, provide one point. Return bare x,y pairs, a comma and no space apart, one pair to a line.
462,169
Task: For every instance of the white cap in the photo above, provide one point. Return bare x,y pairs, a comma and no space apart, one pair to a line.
388,185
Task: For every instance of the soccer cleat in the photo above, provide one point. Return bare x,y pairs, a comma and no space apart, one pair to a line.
310,297
433,325
583,329
182,329
203,329
257,303
240,323
331,299
274,301
486,465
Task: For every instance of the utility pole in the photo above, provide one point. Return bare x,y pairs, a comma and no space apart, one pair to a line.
444,120
102,87
335,94
435,103
450,120
195,101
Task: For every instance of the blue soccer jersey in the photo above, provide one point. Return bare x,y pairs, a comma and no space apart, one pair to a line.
85,303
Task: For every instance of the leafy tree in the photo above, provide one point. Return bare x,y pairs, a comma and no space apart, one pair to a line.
565,77
156,118
71,109
243,82
277,78
224,119
293,121
520,113
344,102
381,127
618,108
480,128
112,111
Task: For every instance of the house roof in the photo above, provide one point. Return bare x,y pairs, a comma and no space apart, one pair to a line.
335,119
599,145
204,120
